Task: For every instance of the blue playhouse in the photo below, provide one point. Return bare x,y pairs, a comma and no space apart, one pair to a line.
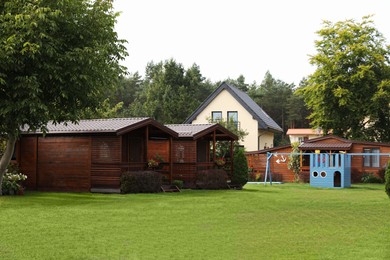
330,170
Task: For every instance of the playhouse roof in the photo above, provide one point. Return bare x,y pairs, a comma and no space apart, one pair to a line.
118,126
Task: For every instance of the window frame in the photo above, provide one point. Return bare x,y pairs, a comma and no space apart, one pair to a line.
212,116
371,161
235,121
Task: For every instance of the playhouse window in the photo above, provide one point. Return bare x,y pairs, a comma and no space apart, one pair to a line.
323,174
315,174
371,160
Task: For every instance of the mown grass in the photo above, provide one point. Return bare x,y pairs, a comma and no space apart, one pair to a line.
288,221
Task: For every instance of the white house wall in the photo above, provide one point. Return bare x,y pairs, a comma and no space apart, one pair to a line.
225,102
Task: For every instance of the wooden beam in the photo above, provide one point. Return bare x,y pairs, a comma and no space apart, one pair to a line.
170,159
214,142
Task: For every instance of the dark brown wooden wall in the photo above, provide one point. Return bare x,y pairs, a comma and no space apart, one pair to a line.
258,163
64,163
106,160
27,151
159,147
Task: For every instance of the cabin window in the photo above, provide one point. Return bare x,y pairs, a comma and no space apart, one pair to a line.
232,118
216,116
371,160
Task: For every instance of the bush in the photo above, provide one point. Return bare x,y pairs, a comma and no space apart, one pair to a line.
369,177
212,179
140,182
178,183
12,180
240,168
387,179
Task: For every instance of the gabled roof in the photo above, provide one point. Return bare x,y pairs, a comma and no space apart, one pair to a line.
195,131
263,119
316,144
118,126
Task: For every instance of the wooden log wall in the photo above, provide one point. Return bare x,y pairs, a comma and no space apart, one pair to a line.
106,162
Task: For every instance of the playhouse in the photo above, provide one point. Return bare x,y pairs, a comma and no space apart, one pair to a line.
330,170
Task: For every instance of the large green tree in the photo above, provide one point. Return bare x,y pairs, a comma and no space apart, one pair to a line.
170,93
349,93
57,59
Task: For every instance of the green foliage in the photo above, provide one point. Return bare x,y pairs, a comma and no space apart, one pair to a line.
369,177
13,180
240,168
57,59
387,179
212,179
178,183
140,182
276,98
294,162
170,93
349,92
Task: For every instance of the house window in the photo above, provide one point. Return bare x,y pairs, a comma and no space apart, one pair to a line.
232,118
371,160
216,116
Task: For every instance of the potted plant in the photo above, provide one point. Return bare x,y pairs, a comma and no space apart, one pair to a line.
220,162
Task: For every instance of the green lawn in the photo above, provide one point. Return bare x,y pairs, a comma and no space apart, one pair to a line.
287,221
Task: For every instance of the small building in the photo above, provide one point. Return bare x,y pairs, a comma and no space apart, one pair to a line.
301,135
194,150
90,155
329,144
231,104
93,154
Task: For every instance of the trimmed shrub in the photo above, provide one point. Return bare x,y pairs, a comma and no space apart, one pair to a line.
240,168
140,182
369,177
212,179
178,183
387,179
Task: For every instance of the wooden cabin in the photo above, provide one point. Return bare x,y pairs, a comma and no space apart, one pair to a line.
327,144
91,155
194,150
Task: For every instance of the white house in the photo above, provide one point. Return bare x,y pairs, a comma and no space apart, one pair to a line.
303,134
229,103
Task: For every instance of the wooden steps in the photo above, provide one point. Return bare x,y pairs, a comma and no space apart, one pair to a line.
170,188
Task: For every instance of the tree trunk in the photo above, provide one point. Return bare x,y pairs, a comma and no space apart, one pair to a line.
6,158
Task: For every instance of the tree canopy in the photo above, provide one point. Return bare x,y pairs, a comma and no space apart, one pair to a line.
349,92
57,59
170,92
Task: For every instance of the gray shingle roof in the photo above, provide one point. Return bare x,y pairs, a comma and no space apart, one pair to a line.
198,130
264,120
189,130
111,125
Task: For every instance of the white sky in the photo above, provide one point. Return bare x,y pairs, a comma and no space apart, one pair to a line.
227,38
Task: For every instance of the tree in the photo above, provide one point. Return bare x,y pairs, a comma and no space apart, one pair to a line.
240,168
170,93
294,162
272,96
349,91
57,59
387,179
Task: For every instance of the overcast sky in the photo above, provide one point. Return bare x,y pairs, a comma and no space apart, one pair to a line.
227,38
